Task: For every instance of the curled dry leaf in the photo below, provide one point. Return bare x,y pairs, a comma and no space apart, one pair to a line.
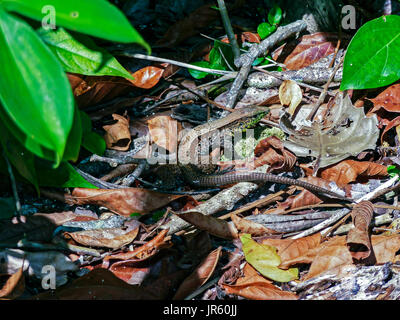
199,276
14,286
295,251
393,123
345,131
164,132
122,201
118,136
147,78
143,252
306,50
270,151
255,287
290,95
113,238
350,170
217,227
358,240
251,227
91,90
333,254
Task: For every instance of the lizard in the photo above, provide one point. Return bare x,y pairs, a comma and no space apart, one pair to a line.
187,155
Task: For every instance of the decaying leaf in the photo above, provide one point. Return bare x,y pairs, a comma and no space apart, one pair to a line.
164,132
358,240
295,251
217,227
118,136
350,170
199,276
113,238
333,254
255,287
122,201
306,50
290,95
14,286
251,227
345,131
265,260
389,99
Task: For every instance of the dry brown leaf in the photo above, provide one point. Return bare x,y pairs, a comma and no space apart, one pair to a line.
255,287
389,99
358,240
270,151
122,201
217,227
199,276
306,50
251,227
334,254
295,251
14,286
147,78
164,132
113,238
118,136
350,170
92,90
143,252
393,123
290,94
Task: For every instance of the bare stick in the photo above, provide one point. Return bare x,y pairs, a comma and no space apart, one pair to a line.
246,60
228,28
177,63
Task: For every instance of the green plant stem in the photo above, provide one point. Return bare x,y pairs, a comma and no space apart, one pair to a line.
228,28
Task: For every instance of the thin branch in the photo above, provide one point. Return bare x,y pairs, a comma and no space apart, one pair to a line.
177,63
228,28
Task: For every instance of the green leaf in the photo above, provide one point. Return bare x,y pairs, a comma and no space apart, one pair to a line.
65,176
265,260
23,139
34,89
91,141
79,54
74,139
373,57
18,156
199,74
393,171
265,29
275,15
97,18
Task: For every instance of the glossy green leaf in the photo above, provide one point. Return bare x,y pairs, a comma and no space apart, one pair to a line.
275,15
74,139
34,89
97,18
265,260
18,156
79,54
199,74
23,139
373,56
91,141
65,176
265,29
